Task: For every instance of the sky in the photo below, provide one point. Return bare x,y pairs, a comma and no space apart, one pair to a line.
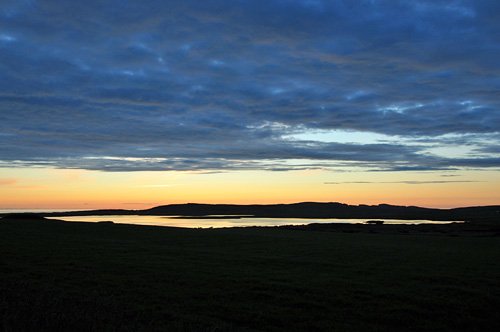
132,104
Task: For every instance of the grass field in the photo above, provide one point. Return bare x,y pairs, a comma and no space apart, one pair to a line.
61,276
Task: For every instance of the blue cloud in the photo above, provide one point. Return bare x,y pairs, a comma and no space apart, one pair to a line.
223,84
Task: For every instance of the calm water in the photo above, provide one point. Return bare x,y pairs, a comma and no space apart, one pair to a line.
217,222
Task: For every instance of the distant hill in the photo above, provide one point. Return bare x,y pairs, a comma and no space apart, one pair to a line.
24,216
309,210
331,210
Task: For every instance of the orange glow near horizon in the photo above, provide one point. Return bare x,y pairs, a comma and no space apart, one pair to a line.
43,188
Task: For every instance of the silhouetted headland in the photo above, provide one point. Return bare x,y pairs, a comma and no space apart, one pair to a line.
311,210
23,216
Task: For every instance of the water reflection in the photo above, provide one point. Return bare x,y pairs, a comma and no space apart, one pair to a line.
227,221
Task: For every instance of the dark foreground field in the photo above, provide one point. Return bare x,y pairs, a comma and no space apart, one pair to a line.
61,276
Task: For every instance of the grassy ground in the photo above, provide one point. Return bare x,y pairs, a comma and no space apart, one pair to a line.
60,276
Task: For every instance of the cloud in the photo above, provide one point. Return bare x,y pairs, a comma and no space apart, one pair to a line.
399,182
139,203
161,185
4,182
208,85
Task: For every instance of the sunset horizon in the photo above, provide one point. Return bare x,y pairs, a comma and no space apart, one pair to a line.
267,165
249,102
86,191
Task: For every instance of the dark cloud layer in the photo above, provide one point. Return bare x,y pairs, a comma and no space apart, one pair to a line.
214,85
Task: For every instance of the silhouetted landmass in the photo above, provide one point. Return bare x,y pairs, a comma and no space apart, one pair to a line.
478,214
23,216
68,276
468,229
374,222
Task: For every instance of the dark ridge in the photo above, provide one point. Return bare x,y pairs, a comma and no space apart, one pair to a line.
483,214
24,216
467,229
332,210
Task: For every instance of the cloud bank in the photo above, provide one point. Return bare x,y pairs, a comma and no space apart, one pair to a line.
226,85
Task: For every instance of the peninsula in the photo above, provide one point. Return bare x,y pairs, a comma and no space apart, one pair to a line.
478,214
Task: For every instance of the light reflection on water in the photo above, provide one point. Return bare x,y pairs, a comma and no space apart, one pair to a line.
207,222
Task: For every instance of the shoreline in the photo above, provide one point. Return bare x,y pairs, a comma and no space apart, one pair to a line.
461,229
304,210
